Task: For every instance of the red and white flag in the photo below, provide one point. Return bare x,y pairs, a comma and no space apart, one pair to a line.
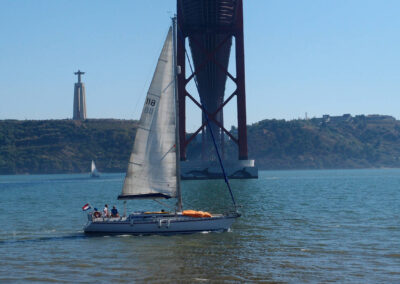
86,207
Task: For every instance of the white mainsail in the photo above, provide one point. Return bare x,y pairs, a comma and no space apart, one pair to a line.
93,170
152,166
93,167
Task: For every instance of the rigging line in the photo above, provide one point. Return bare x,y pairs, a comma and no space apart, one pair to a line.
166,205
170,83
170,149
209,125
143,94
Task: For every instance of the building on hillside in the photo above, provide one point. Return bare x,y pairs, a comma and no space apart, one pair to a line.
343,118
326,118
379,117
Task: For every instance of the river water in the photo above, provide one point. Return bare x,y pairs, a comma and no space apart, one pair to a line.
297,226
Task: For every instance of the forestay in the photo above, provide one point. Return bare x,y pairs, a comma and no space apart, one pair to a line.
152,166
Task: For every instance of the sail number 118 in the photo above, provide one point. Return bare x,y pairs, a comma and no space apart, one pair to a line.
150,103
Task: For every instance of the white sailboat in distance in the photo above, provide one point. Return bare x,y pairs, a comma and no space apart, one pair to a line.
94,173
153,170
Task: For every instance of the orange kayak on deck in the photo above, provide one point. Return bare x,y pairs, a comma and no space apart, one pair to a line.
198,214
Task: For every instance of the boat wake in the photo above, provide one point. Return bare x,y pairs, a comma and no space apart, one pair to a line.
43,239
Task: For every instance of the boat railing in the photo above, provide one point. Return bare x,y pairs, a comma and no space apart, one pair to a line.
92,218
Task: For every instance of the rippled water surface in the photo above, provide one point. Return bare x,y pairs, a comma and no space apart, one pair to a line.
297,226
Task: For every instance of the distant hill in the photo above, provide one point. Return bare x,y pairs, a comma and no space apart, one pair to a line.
67,146
326,143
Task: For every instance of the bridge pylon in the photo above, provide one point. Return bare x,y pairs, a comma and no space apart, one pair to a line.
209,27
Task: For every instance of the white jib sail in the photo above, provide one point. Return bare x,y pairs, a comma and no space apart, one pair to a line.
152,166
93,167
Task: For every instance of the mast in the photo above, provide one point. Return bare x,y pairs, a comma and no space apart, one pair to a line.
177,146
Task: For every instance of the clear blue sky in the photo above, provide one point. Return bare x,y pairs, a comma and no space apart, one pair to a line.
319,57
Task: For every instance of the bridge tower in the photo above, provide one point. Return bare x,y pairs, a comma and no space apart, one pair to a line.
210,26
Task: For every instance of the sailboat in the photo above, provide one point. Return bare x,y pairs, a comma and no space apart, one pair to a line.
153,170
93,171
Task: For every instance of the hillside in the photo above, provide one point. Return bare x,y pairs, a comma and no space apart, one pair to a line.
67,146
338,142
64,146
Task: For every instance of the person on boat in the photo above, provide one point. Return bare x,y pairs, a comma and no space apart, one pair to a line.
114,212
96,213
106,212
